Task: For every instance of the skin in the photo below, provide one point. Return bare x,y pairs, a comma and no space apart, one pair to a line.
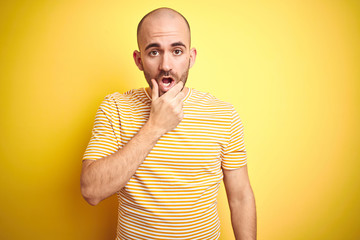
241,202
164,44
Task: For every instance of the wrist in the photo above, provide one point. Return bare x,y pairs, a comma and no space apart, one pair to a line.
152,131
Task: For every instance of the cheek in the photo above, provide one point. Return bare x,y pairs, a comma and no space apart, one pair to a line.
150,66
184,65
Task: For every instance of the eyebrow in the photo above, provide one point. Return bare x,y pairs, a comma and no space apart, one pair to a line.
175,44
152,45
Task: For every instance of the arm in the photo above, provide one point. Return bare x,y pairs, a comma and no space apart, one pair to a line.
103,177
241,202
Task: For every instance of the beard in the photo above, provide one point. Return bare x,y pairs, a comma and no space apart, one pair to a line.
182,78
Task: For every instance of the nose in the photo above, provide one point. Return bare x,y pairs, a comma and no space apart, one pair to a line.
166,63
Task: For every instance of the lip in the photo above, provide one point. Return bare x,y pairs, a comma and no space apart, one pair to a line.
164,87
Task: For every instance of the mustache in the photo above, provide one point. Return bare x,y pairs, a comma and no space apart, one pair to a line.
165,74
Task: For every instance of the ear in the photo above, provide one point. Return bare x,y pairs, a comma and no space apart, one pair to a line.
137,59
192,56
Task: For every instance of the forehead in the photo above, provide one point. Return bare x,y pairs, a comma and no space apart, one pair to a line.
163,30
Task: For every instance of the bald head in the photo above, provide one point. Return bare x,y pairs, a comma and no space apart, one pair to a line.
160,14
165,55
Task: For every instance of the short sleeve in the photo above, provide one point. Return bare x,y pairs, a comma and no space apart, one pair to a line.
234,153
103,141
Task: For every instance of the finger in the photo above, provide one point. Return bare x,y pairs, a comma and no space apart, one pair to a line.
180,112
179,106
180,96
175,90
154,90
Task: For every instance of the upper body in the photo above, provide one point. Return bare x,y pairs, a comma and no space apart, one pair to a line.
178,181
166,149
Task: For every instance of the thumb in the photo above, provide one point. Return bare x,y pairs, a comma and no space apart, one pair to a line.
154,90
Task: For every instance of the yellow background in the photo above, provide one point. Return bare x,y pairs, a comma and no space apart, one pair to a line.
291,68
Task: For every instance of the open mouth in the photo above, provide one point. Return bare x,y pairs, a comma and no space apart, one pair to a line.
166,83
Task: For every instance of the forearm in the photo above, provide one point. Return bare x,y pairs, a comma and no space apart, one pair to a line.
243,217
102,178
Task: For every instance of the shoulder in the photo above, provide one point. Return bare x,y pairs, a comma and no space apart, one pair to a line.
116,102
207,100
128,95
127,98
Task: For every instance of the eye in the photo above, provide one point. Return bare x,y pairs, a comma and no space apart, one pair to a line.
153,53
178,52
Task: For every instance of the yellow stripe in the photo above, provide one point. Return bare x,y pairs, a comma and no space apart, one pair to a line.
173,193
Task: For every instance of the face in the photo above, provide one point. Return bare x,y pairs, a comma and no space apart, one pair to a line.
165,53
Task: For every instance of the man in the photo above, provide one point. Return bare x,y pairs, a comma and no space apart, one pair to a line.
165,149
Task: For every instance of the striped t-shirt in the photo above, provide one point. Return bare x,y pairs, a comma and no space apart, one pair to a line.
173,193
